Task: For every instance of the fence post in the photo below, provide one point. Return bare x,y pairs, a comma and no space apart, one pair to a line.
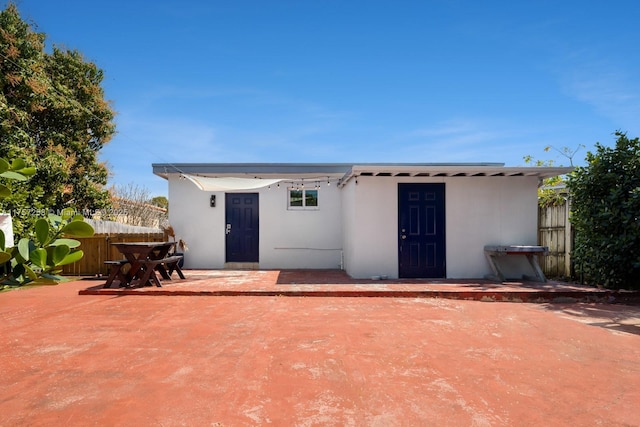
568,238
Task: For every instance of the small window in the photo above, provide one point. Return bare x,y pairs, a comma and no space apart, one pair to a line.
303,199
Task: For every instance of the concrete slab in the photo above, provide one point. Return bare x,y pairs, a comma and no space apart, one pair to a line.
227,361
336,283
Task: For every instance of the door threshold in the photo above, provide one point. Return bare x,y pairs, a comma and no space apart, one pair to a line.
241,266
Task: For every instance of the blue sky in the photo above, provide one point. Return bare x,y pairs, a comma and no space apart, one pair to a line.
353,81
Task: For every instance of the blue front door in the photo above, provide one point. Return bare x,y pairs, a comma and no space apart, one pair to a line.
242,227
421,230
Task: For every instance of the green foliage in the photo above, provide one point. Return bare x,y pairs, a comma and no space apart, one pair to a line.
160,201
548,192
53,113
16,170
605,213
38,259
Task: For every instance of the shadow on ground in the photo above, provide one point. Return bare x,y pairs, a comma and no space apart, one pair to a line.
615,317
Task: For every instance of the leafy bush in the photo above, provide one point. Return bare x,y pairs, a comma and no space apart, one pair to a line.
606,215
39,258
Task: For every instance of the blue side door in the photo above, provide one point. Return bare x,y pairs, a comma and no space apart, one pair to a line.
242,223
421,230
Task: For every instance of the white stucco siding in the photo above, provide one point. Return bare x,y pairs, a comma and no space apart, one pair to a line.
288,238
487,211
373,224
348,225
200,225
291,238
479,211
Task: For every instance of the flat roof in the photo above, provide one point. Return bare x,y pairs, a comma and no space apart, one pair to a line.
456,170
349,170
250,169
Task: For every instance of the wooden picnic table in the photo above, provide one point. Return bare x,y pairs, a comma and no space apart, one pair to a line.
146,258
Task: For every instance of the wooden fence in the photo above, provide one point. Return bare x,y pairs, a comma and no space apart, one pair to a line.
98,249
554,231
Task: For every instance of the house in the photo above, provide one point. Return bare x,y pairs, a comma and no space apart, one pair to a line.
394,220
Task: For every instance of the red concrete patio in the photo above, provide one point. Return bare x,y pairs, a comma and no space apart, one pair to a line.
121,360
325,283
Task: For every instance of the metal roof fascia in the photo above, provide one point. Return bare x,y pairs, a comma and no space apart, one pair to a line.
350,170
451,169
249,169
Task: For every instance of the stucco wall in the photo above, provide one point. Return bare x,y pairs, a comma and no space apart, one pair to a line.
371,244
200,225
288,238
300,238
360,221
349,215
479,211
487,211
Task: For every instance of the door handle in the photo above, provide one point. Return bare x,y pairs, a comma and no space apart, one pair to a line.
228,229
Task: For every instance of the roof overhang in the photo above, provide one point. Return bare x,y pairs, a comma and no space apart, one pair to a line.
453,170
343,172
253,170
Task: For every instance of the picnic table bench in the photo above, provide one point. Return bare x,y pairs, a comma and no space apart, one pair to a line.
145,259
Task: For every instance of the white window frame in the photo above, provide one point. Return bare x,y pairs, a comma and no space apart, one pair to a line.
304,207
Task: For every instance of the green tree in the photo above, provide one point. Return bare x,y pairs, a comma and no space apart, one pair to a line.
605,197
160,201
53,113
